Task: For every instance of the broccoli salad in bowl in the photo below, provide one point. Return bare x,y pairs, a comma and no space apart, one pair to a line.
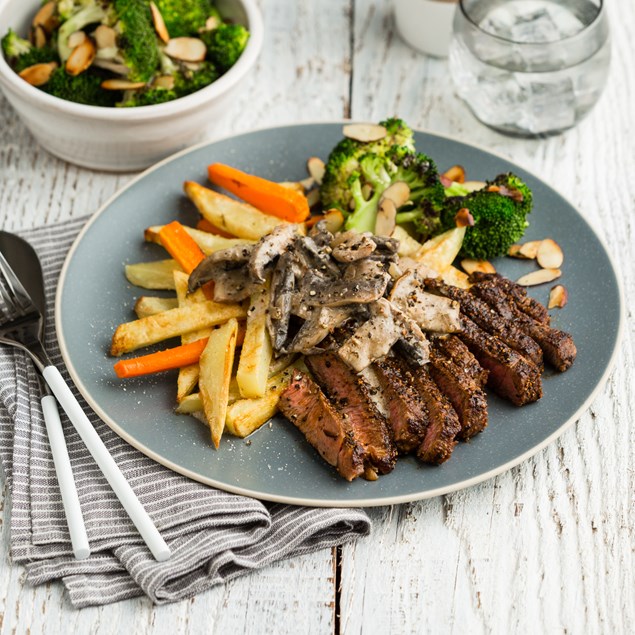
125,53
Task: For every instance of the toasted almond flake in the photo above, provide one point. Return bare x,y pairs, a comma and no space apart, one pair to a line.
313,197
529,250
76,38
81,57
105,37
45,16
159,23
293,185
39,37
386,214
474,186
316,168
364,132
456,173
38,74
493,188
463,218
398,193
307,183
186,49
114,67
334,220
211,23
549,254
514,251
164,81
121,84
539,277
558,297
367,190
470,265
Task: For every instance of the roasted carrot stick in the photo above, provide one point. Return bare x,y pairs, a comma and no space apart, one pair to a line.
168,359
269,197
181,246
205,226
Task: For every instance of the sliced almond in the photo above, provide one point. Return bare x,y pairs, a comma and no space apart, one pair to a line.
316,168
159,24
558,297
211,23
549,254
539,277
474,186
39,37
293,185
45,17
514,251
334,220
121,84
313,198
463,218
398,193
364,132
38,74
81,57
456,173
307,183
367,191
386,214
470,265
105,37
164,81
76,38
114,67
529,250
187,49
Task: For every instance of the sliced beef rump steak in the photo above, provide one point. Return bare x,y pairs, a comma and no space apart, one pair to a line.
459,354
304,404
350,395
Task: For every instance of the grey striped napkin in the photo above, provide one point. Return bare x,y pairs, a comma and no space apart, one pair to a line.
214,536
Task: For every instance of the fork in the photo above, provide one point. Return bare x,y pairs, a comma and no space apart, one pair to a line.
19,326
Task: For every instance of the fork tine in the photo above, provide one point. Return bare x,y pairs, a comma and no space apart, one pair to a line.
14,295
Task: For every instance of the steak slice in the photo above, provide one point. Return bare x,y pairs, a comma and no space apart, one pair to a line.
465,395
350,395
490,320
460,354
558,347
517,293
510,374
304,404
407,411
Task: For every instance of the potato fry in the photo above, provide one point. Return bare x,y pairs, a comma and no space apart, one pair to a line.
153,275
439,252
208,243
247,415
151,305
149,330
216,365
230,215
255,357
408,246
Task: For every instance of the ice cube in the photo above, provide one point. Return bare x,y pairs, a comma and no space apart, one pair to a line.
550,104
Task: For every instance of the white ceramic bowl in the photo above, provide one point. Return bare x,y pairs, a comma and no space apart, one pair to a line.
124,139
426,24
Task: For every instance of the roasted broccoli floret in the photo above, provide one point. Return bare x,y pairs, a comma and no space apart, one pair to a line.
225,44
89,14
343,161
147,97
186,17
82,89
189,81
499,211
20,53
401,165
137,39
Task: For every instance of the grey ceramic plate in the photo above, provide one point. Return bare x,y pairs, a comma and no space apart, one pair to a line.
277,463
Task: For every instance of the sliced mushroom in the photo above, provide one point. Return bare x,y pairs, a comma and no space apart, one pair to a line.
38,74
121,84
186,49
76,38
281,295
159,23
351,246
539,277
364,132
316,168
470,265
39,37
549,254
105,37
81,57
385,222
411,338
45,17
268,248
558,297
212,266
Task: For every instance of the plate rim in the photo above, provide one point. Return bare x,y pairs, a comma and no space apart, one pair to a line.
292,500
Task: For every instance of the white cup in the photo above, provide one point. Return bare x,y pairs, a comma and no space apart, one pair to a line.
426,24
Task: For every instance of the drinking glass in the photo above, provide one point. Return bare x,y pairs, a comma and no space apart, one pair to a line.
530,67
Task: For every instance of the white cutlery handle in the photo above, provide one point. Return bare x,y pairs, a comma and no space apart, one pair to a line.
107,464
72,509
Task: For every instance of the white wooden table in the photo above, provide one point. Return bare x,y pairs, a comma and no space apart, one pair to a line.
546,547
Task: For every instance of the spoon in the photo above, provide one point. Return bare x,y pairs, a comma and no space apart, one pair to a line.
25,263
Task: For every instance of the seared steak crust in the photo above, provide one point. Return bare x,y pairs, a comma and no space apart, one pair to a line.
510,374
350,395
304,404
459,354
558,347
490,320
465,395
407,412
